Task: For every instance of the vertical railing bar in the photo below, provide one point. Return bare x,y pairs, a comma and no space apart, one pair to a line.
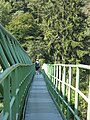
59,86
26,58
63,79
50,73
76,92
6,49
7,96
21,53
63,87
3,58
17,91
88,110
16,52
69,94
13,92
54,74
20,56
12,50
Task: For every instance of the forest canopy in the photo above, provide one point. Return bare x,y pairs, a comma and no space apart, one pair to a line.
55,31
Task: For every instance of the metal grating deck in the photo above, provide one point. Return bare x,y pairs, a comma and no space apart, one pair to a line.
40,106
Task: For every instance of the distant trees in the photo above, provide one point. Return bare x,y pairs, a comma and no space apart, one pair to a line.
64,29
54,30
5,15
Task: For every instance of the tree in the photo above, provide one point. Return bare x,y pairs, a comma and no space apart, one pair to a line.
24,28
68,23
57,29
5,16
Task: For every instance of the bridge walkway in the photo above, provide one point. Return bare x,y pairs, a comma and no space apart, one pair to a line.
40,105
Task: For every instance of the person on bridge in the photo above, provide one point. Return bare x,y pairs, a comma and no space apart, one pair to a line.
37,66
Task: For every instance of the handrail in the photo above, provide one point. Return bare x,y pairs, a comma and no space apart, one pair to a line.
15,82
10,69
72,65
64,84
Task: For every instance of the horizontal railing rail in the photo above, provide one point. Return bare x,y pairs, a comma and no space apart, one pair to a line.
14,84
69,85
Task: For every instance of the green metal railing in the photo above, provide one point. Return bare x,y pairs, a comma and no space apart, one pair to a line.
69,86
10,50
16,76
15,82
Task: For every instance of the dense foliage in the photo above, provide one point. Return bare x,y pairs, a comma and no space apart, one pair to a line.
53,31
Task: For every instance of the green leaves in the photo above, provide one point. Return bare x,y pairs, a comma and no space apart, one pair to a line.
5,16
53,30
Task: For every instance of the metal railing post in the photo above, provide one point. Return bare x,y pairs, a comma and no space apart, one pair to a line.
7,96
63,86
88,110
76,92
59,85
69,94
54,74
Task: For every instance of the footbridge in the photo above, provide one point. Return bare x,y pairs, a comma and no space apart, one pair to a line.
59,92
